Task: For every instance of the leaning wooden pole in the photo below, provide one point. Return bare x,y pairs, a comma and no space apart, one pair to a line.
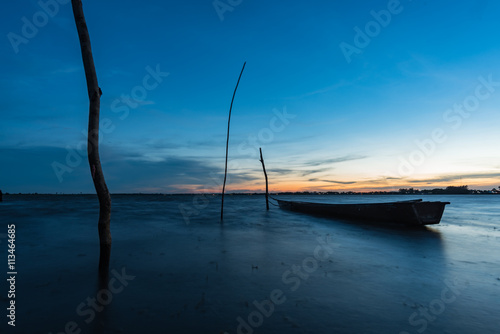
94,93
265,175
227,145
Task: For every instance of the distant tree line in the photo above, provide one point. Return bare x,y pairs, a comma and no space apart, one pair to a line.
451,190
460,190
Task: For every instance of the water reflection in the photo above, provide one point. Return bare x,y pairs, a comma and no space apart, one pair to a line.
103,294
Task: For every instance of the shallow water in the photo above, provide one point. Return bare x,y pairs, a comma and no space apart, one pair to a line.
194,275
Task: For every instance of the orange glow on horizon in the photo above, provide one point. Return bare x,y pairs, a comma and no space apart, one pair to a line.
369,186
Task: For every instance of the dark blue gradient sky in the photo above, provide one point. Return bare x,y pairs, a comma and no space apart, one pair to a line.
341,95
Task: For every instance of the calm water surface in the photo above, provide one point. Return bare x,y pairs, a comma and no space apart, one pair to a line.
194,275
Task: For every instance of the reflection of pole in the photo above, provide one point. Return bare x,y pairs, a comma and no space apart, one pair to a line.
94,93
265,174
227,145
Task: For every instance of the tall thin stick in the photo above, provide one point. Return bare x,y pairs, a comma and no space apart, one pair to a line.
94,93
227,145
265,174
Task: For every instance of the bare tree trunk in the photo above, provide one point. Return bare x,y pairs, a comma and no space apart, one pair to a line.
265,175
227,144
93,136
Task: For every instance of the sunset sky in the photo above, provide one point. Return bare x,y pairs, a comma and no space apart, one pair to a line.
340,95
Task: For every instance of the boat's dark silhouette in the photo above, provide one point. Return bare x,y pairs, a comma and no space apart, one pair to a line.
414,212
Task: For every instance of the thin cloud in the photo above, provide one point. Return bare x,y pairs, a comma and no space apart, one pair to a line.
281,171
450,178
316,171
335,160
332,181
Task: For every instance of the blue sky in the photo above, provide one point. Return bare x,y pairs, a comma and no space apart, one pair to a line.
387,116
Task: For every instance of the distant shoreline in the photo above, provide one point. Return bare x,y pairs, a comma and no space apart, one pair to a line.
451,190
479,192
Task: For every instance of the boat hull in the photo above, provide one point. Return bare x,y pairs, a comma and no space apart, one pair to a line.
415,212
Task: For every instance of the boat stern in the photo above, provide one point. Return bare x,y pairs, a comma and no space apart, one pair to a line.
429,213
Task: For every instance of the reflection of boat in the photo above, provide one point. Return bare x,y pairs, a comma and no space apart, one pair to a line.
414,212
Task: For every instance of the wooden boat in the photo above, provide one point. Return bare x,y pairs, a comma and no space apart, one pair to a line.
414,212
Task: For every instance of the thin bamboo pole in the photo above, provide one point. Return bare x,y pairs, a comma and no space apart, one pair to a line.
227,145
265,175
